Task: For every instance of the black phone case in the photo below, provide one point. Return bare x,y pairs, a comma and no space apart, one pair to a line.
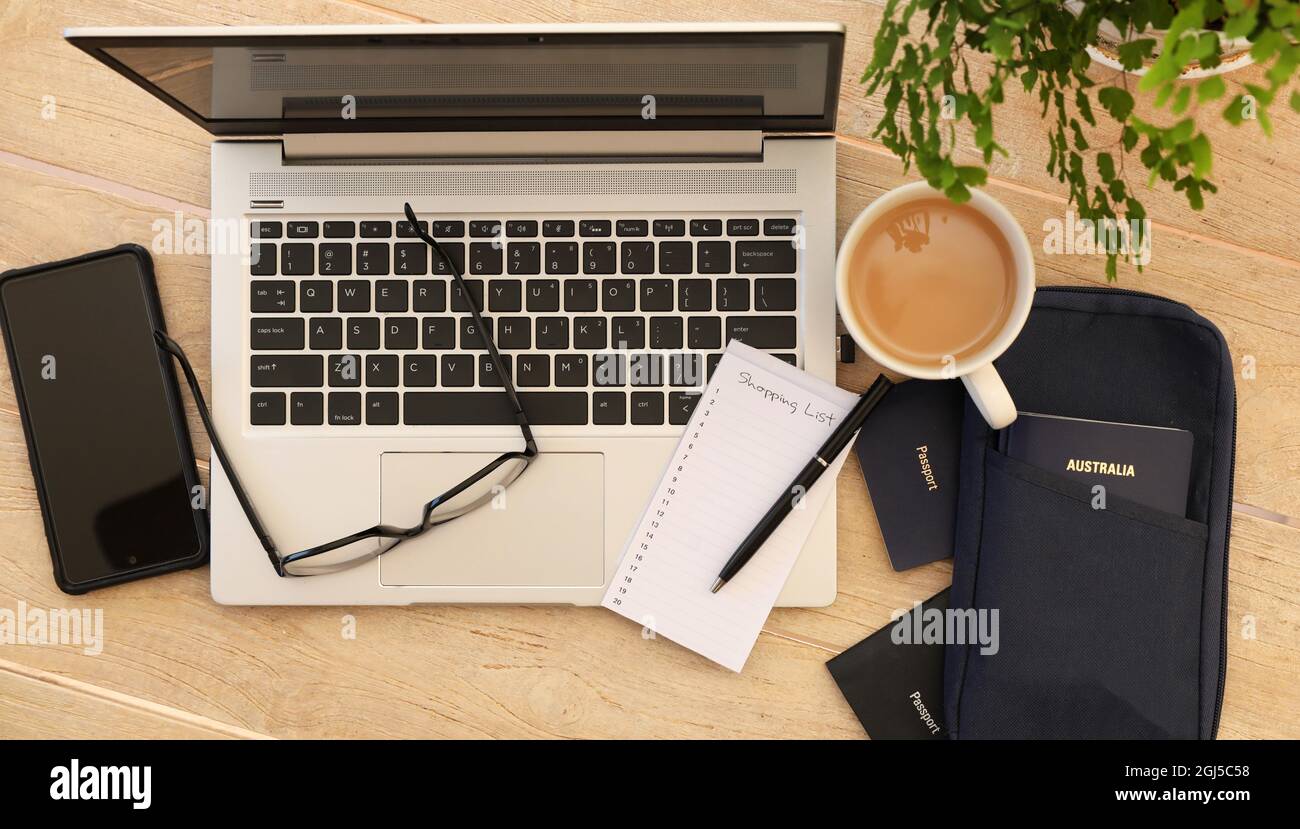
175,409
1112,621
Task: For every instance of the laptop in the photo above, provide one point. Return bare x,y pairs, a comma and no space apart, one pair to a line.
638,193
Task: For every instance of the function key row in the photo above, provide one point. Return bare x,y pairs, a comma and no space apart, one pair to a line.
520,228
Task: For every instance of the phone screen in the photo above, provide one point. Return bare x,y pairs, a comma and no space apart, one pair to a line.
116,472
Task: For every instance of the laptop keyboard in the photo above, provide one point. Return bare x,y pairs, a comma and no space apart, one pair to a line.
601,321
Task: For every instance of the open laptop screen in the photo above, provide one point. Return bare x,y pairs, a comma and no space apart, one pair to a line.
280,80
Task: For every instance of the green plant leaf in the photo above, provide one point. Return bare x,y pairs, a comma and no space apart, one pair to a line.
1182,100
1202,155
1118,102
972,176
1106,166
1210,89
1295,100
1134,52
1129,137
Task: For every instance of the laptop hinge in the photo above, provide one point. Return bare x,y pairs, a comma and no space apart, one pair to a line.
529,147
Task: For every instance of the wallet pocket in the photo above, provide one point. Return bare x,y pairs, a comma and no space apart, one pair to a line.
1099,613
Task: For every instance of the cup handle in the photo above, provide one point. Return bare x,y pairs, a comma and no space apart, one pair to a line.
991,396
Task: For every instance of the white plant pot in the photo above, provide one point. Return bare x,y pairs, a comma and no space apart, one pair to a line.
1236,51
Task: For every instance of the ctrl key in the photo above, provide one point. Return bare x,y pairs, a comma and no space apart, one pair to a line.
266,408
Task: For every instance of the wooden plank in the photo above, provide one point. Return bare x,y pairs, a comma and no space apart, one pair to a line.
154,148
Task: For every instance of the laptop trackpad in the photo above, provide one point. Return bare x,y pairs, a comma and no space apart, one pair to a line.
547,529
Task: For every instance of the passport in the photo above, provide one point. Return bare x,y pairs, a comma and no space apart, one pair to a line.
1150,465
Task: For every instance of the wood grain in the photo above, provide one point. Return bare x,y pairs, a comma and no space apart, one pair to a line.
175,664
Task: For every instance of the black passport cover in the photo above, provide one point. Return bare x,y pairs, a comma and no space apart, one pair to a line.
1150,465
895,690
915,497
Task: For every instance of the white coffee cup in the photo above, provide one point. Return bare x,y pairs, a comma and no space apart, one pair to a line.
976,371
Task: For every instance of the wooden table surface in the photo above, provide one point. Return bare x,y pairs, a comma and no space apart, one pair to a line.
175,664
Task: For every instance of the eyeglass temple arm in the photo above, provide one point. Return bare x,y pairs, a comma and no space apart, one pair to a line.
520,418
173,348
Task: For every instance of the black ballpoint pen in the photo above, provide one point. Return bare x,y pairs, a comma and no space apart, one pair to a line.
803,482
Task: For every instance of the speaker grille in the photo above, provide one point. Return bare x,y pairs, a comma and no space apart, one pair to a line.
530,182
271,77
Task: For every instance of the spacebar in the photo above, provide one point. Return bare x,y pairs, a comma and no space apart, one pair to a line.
451,408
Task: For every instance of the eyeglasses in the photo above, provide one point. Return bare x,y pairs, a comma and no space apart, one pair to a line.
359,547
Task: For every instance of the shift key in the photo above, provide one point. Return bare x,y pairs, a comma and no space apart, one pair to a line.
765,257
287,371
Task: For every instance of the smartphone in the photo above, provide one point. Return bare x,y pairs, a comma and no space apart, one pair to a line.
101,410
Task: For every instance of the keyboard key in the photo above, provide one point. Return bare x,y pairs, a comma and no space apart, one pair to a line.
778,227
307,408
645,369
594,227
670,227
484,228
435,408
390,296
345,370
742,227
618,294
487,370
271,297
557,227
570,370
484,258
514,332
381,408
647,408
345,408
286,370
438,258
470,336
711,364
694,295
665,332
363,333
762,332
505,295
524,258
266,408
706,227
419,370
261,259
589,332
681,405
521,228
675,257
609,370
266,230
638,257
354,295
792,359
715,257
609,408
532,370
599,257
276,333
632,227
553,333
766,257
447,229
429,295
316,296
580,294
340,230
376,230
334,258
326,334
561,257
296,259
774,294
476,289
437,333
406,230
303,230
656,295
372,259
401,333
411,258
733,294
685,370
704,333
543,294
457,371
381,370
627,332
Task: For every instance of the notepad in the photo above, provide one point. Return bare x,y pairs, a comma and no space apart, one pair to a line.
755,426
